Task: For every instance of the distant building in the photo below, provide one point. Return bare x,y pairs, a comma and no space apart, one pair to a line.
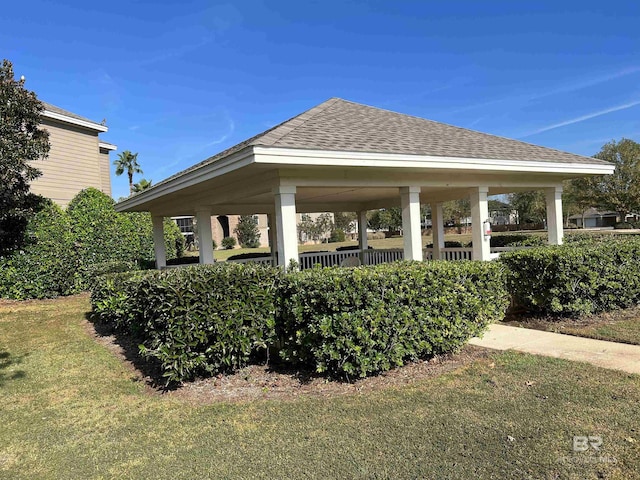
78,158
594,218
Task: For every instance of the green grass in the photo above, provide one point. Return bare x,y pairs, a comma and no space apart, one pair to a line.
71,409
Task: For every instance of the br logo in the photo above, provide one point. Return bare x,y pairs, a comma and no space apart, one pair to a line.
584,443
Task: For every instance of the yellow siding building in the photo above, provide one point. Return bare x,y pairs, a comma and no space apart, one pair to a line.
78,159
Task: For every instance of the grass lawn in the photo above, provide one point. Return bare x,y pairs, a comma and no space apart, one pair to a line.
71,409
616,326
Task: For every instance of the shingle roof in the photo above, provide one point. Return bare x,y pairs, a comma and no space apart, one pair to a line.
340,125
61,111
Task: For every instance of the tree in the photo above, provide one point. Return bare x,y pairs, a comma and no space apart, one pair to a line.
247,232
344,221
142,185
22,142
456,211
389,218
619,192
531,206
309,229
578,196
128,162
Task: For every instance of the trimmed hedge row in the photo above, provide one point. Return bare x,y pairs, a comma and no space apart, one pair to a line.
575,279
360,321
349,322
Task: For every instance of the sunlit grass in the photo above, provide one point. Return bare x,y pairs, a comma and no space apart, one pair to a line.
70,409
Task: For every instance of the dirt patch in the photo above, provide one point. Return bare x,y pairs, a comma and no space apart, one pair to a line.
263,382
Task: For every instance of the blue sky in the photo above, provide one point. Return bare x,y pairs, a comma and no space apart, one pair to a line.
180,81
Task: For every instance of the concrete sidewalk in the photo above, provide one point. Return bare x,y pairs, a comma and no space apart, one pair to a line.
617,356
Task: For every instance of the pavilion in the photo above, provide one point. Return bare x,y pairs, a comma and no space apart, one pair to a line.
345,156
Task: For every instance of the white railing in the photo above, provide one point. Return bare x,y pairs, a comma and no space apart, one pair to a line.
449,253
326,259
266,260
388,255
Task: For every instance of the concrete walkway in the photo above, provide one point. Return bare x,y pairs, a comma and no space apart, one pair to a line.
617,356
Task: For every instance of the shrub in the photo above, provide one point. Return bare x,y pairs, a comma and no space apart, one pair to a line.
376,236
114,302
337,235
575,279
360,321
100,234
244,256
143,226
247,232
517,240
206,319
623,226
45,265
448,244
228,243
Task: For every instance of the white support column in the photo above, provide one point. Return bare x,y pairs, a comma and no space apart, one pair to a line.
205,238
158,242
410,202
286,225
437,230
480,213
362,234
554,214
273,247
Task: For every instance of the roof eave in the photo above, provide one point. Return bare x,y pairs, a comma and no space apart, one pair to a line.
207,172
290,156
75,121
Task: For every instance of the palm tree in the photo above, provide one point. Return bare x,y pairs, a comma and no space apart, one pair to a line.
128,161
143,184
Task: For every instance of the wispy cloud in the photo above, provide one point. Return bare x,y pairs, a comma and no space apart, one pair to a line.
222,138
582,118
566,88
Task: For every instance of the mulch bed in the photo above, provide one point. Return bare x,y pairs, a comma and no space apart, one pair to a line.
264,382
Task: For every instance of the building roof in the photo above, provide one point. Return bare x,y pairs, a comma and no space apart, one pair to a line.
58,113
340,125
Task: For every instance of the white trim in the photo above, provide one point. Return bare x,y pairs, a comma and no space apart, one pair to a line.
107,146
288,156
201,174
75,121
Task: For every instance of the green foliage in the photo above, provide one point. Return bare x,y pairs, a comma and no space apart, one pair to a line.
44,267
619,192
22,142
228,243
128,162
517,240
142,185
345,221
113,299
531,206
247,232
337,235
100,234
143,226
456,210
315,230
575,279
389,219
360,321
207,319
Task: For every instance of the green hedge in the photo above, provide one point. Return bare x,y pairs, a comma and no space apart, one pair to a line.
45,265
360,321
575,279
203,320
206,319
65,251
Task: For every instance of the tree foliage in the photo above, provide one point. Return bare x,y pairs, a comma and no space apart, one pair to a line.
22,142
315,230
128,162
619,192
385,219
530,206
247,232
344,221
142,185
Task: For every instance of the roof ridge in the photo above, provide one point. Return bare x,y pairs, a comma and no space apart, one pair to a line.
280,131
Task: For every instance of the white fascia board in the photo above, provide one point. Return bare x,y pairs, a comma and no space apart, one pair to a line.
75,121
207,172
326,158
107,146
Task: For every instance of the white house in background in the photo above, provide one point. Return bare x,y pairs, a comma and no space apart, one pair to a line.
344,156
594,218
